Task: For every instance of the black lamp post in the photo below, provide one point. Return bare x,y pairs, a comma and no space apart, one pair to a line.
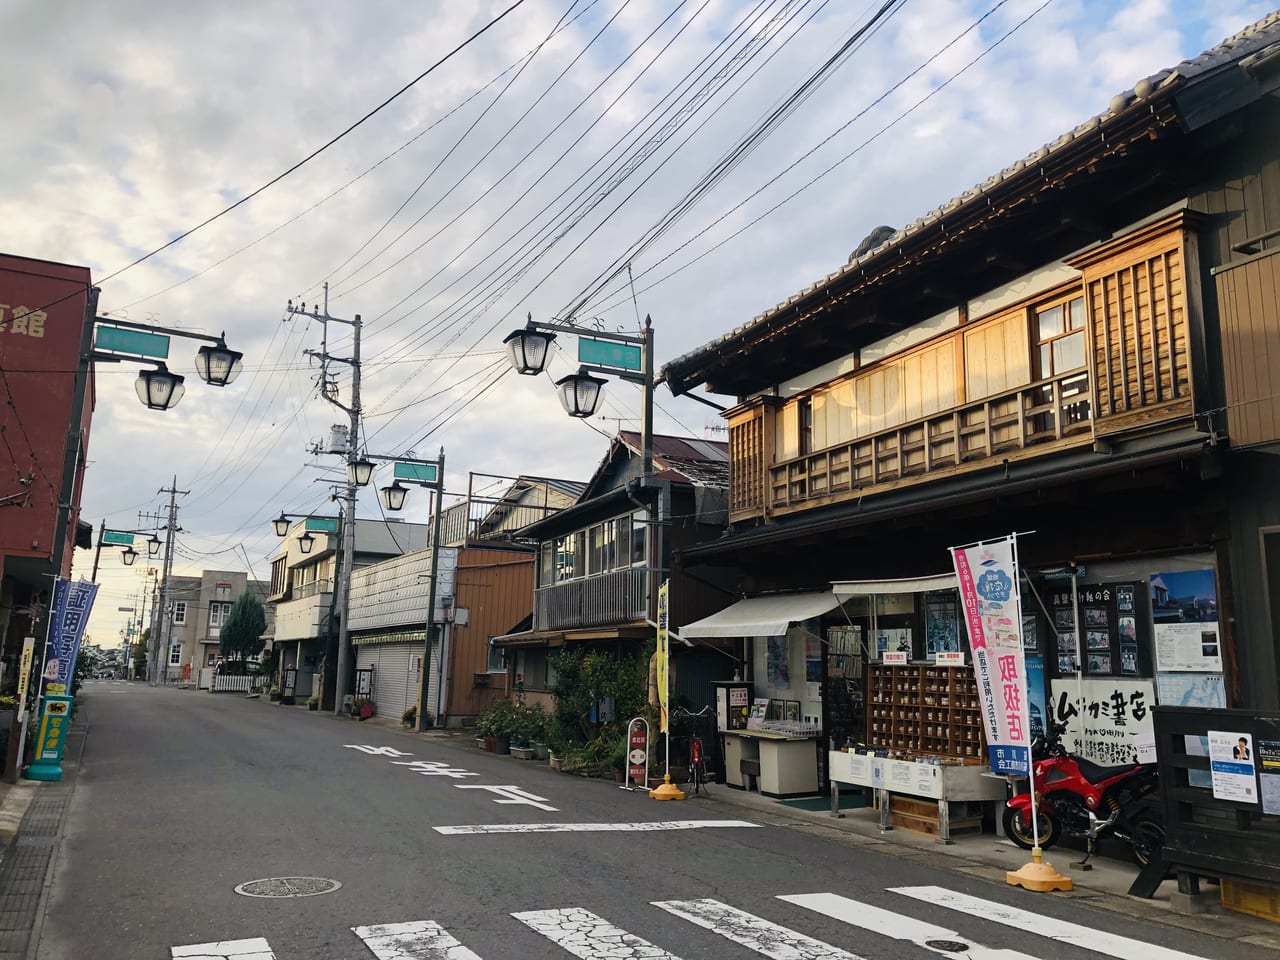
128,555
306,542
580,393
216,365
393,497
527,348
153,546
360,471
281,525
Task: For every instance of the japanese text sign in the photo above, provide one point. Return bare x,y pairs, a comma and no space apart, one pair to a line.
72,603
988,576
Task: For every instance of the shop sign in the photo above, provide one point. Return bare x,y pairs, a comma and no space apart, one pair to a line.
895,656
1106,719
24,670
949,659
638,754
54,726
988,576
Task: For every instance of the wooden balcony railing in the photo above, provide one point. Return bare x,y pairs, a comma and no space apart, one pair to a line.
620,596
1055,411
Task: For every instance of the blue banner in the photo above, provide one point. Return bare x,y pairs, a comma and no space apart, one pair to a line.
72,603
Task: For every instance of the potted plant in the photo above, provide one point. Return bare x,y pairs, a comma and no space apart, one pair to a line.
499,721
410,717
273,693
618,760
313,704
362,708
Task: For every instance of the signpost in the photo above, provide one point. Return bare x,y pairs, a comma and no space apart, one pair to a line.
51,740
637,754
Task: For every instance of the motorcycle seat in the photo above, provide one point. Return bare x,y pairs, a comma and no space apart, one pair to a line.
1096,774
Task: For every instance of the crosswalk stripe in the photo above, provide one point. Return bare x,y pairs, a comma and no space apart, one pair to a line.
589,937
416,940
897,925
754,933
254,949
1113,945
643,826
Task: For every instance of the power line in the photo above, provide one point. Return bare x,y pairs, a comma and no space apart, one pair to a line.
319,150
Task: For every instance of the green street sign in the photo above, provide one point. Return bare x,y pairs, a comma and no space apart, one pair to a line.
322,525
625,356
417,472
117,538
139,343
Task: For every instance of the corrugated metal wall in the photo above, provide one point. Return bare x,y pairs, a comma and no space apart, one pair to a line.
393,593
496,589
395,683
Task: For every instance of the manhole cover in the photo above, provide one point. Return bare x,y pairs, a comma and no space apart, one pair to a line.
947,946
288,887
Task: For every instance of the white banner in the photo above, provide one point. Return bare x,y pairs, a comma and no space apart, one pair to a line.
988,575
664,655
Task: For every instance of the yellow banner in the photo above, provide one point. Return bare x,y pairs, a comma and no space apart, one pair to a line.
24,668
664,653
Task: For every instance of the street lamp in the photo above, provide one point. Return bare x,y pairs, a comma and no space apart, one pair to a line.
128,555
306,542
159,389
627,356
580,393
360,471
281,525
153,546
216,365
393,497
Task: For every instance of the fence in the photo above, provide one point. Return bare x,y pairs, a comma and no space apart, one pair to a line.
1220,791
229,684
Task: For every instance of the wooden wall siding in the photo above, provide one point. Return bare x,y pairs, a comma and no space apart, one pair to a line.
496,587
1249,314
997,356
1038,417
746,463
1136,302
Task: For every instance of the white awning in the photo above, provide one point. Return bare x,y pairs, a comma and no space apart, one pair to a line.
844,589
761,616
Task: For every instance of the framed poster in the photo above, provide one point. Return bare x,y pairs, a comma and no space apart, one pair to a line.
777,663
1184,611
941,622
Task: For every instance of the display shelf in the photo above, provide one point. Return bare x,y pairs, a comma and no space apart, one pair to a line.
923,708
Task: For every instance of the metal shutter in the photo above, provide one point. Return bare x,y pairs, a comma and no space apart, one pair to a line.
395,686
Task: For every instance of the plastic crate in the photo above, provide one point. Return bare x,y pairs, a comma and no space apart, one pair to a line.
1255,899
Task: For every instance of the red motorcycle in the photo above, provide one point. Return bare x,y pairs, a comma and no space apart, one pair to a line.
1083,800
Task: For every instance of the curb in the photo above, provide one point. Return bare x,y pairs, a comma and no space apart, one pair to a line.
17,799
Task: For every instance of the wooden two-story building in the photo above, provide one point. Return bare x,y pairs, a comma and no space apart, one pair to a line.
1084,349
600,562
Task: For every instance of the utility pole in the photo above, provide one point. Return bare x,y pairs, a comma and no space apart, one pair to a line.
329,391
159,651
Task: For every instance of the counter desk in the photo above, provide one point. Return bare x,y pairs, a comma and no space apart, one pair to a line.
783,765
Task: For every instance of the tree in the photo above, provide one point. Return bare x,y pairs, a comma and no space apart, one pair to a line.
140,654
241,636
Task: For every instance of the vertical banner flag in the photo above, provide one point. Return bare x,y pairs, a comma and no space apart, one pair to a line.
664,652
72,603
988,575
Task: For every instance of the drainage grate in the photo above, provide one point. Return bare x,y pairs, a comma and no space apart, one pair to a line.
37,841
947,946
279,887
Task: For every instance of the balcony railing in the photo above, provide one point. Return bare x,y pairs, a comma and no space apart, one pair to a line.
1056,411
312,588
620,596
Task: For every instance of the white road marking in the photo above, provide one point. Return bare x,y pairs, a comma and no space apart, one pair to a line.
434,768
1113,945
255,949
510,794
417,940
896,925
377,751
589,937
641,827
754,933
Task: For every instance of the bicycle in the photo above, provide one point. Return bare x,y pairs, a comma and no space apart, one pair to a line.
697,758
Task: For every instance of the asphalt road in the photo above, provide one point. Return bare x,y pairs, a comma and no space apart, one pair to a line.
183,795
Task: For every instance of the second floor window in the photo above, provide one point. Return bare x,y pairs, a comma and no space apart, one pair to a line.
1059,331
218,613
179,612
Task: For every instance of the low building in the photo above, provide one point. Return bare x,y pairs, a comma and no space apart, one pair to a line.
198,607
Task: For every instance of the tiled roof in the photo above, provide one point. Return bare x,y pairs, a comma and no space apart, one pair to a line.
703,462
1264,35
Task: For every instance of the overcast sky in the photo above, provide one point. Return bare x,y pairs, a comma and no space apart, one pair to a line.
513,179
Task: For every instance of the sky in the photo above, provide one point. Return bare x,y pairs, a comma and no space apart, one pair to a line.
579,159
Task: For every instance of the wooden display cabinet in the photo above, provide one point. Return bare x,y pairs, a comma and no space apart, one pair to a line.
923,708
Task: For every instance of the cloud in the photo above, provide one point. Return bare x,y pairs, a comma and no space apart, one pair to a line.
143,118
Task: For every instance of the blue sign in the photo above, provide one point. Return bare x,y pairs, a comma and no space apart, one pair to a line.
72,603
1007,759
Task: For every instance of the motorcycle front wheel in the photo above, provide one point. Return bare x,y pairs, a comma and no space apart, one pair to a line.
1148,838
1017,827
